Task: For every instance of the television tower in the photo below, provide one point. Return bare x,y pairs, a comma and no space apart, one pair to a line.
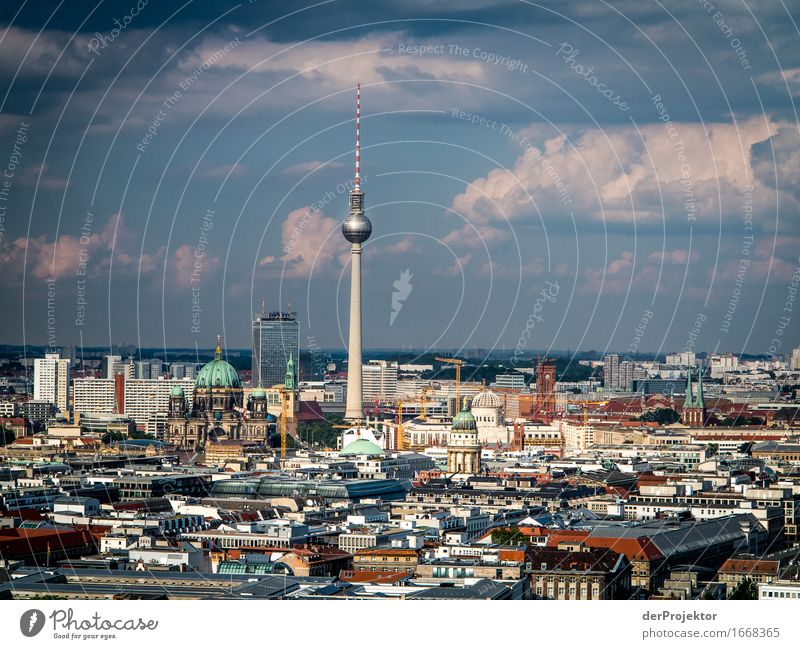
356,228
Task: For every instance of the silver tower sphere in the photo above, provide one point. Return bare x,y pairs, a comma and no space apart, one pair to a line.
356,228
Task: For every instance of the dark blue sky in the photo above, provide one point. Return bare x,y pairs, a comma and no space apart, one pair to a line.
637,161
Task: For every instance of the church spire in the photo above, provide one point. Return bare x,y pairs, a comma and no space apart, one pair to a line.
689,399
699,402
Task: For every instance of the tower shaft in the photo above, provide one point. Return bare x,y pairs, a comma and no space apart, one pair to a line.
355,399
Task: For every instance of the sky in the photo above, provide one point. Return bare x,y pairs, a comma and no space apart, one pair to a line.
611,176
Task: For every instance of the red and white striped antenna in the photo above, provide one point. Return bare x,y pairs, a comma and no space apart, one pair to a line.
357,182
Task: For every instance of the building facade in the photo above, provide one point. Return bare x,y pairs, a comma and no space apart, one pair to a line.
275,340
51,380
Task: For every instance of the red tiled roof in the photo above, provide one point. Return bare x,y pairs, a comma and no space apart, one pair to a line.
22,542
751,566
635,549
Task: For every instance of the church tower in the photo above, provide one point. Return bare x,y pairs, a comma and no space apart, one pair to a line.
694,406
463,448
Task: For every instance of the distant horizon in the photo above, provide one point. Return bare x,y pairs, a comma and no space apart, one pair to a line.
553,353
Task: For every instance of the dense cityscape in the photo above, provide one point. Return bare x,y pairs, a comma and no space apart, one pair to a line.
667,478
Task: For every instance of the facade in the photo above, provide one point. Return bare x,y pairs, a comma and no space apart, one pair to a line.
463,448
51,380
275,340
386,560
379,381
611,370
577,573
92,395
147,400
545,404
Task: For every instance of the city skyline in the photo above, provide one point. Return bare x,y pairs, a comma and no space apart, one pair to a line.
523,202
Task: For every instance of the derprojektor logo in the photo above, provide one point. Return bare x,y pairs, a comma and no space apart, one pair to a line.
31,622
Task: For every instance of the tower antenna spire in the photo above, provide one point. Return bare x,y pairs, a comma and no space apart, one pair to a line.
357,181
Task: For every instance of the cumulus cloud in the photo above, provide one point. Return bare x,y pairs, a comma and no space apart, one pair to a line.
90,253
308,246
621,174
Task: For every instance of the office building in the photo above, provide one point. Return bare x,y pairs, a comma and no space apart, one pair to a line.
51,380
379,380
275,340
794,364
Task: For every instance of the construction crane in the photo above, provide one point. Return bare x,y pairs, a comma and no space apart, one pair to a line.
401,442
585,408
458,363
424,402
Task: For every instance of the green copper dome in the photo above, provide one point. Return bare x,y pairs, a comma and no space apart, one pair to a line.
464,421
218,373
258,393
362,447
177,391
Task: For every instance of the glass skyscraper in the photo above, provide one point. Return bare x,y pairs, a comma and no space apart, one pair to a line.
276,337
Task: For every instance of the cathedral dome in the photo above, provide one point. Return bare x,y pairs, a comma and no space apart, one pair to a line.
218,373
465,422
259,393
487,399
177,391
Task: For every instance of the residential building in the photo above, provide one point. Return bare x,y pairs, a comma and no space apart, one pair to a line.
51,380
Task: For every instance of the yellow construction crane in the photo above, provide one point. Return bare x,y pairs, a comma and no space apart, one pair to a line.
585,407
401,442
424,402
458,363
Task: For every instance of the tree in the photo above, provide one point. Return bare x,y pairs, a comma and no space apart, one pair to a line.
662,416
712,449
321,433
746,589
508,536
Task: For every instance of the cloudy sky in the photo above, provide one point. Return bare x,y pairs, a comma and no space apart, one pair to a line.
584,175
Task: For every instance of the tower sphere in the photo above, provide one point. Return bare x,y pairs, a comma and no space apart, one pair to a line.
356,228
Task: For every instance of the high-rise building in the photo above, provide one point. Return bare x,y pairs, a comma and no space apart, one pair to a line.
142,370
94,396
356,228
276,338
795,362
379,380
611,370
147,400
51,380
628,373
110,362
